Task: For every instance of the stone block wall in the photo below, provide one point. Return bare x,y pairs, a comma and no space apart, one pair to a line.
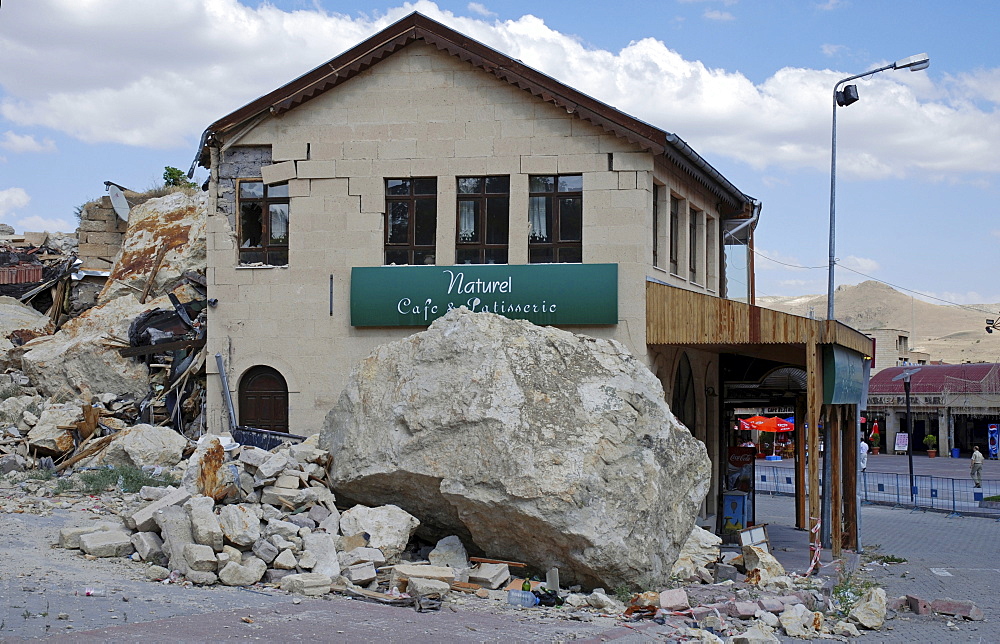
100,233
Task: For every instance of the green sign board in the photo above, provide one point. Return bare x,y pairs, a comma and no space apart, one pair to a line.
550,294
843,376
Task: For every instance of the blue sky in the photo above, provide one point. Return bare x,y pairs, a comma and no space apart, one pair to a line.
117,89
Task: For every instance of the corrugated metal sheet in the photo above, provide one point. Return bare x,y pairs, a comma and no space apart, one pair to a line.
680,317
938,379
20,274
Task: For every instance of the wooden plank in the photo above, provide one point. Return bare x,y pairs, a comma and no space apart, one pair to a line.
836,479
801,517
129,352
814,392
515,564
851,440
152,274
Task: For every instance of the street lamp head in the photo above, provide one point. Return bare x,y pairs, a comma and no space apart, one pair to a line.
847,96
913,63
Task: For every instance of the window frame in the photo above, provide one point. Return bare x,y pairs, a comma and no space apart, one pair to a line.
483,198
267,247
410,246
556,244
675,216
694,224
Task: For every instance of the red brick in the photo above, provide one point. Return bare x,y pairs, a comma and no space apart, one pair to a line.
960,608
918,606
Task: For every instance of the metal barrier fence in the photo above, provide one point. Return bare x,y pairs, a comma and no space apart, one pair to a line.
938,493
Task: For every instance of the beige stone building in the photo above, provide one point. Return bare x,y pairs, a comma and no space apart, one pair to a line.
422,159
893,349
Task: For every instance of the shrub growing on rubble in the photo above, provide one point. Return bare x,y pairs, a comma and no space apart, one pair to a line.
125,479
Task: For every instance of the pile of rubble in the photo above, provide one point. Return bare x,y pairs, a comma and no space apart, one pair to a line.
244,516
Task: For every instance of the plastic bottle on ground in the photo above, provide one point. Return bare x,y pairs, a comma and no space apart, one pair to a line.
93,592
523,598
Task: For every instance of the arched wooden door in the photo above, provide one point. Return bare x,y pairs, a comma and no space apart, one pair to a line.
263,399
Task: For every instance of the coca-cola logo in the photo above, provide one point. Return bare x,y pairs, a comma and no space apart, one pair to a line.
740,458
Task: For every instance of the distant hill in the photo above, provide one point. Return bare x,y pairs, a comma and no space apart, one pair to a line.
949,333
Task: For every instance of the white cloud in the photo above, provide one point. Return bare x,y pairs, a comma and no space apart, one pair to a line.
146,86
481,9
35,223
860,264
25,143
831,50
829,5
714,14
12,199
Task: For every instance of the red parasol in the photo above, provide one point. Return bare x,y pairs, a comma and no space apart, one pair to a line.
776,425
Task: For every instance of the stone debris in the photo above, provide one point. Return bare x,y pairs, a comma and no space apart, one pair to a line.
870,611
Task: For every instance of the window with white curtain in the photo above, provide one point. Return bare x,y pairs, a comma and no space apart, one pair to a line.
555,219
483,220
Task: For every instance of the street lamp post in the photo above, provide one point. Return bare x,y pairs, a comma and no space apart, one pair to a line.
843,99
905,377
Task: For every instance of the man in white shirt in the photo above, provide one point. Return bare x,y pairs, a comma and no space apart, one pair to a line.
863,452
976,468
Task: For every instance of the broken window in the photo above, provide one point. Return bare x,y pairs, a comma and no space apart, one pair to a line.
555,219
410,220
483,220
263,223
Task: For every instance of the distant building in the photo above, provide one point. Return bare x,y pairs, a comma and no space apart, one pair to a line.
956,403
893,349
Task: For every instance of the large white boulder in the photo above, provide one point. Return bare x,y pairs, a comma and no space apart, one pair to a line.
144,445
534,444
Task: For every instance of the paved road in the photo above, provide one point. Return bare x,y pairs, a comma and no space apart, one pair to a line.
955,557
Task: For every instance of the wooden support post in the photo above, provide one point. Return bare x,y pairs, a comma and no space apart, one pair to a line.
152,274
836,431
801,517
851,440
814,393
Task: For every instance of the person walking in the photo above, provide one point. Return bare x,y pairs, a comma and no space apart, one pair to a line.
863,455
976,468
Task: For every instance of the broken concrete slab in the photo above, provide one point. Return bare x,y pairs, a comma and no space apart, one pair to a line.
149,546
175,530
112,543
205,524
799,621
323,547
388,527
144,519
358,555
240,524
200,557
70,537
490,575
566,419
361,573
674,599
307,583
247,573
423,587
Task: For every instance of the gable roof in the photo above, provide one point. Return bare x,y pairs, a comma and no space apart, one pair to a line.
417,27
